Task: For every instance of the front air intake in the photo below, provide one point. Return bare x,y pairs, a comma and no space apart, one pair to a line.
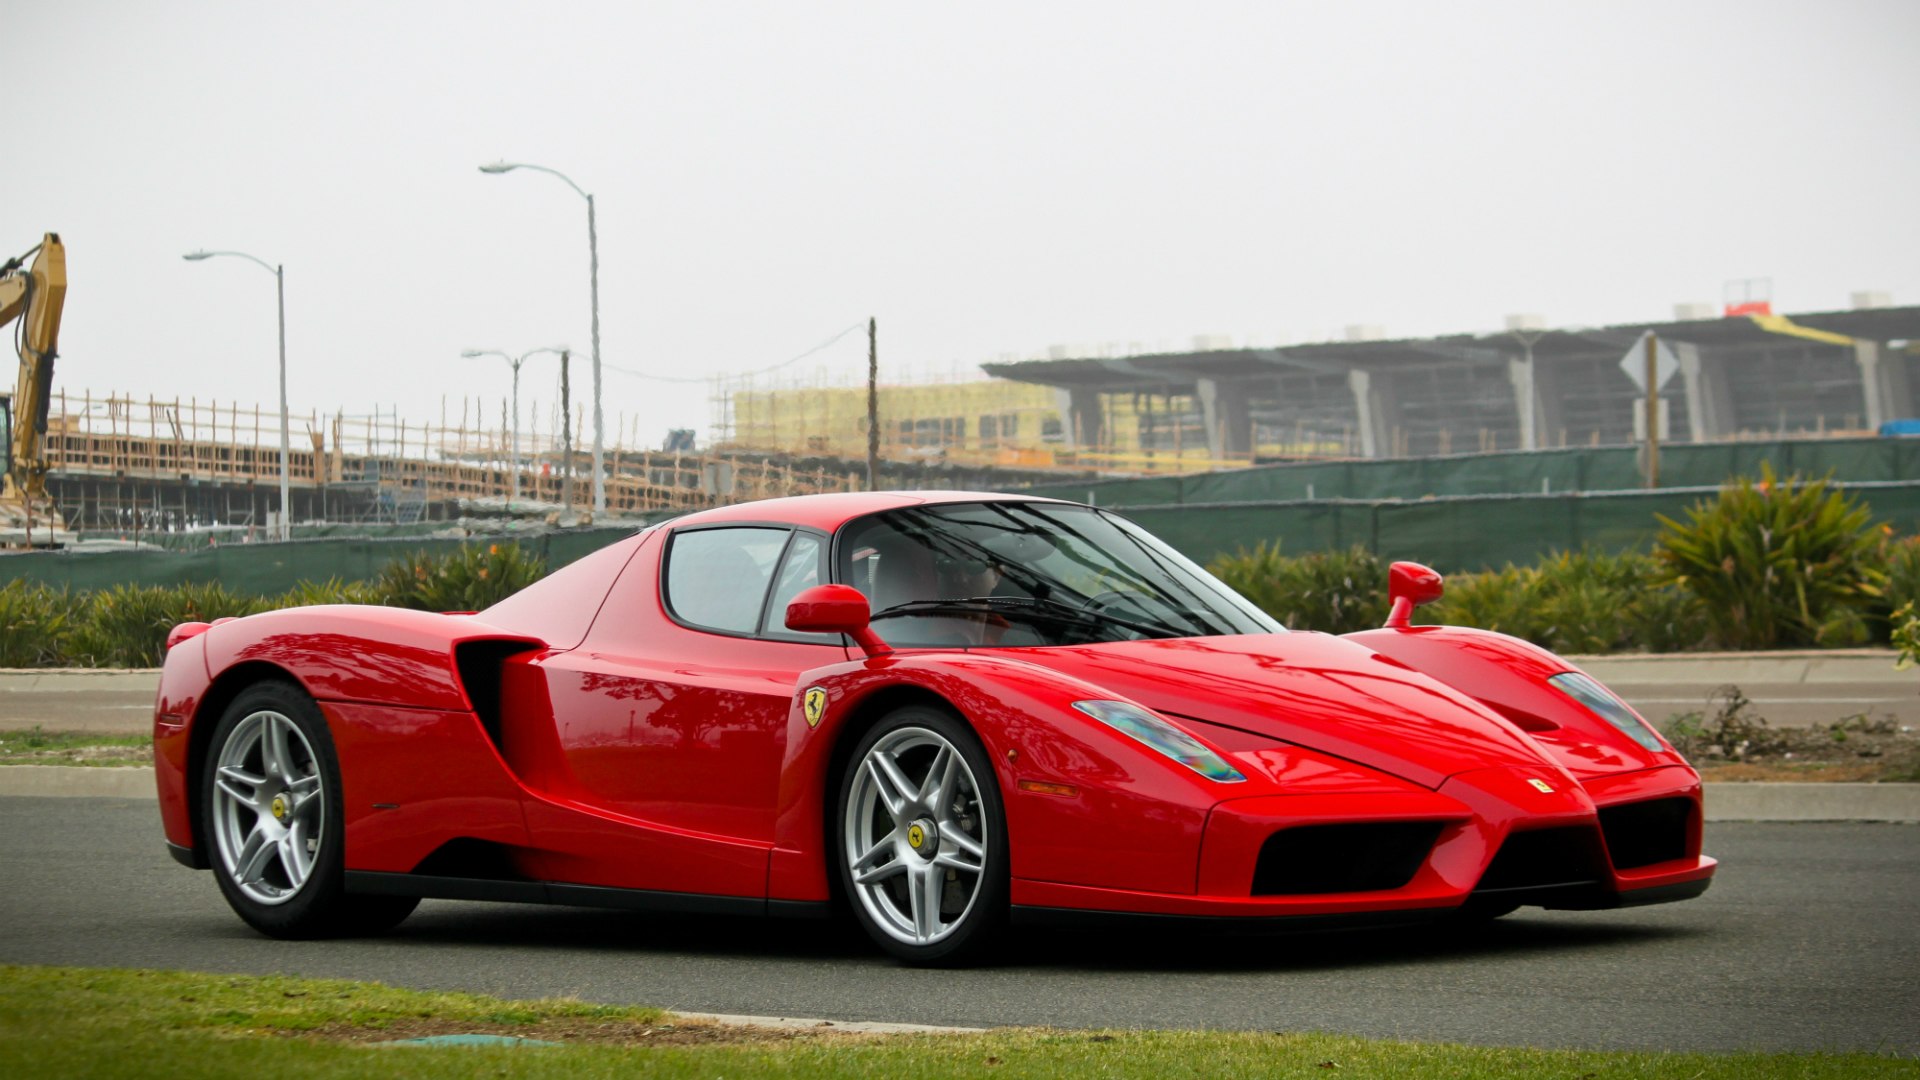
1543,858
1368,857
1644,833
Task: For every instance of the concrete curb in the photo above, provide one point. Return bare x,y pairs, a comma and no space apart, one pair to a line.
864,1027
79,680
1725,801
1832,667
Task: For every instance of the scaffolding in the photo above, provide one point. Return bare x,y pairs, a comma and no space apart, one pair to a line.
116,460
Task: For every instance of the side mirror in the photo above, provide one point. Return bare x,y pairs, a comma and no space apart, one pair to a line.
836,609
1410,585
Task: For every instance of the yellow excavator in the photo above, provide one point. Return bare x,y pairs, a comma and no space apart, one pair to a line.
33,296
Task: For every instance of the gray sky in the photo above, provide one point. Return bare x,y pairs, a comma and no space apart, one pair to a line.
985,178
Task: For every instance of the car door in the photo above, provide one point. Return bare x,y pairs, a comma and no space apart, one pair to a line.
671,716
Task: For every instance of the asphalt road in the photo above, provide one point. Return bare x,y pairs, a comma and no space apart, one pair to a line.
1807,941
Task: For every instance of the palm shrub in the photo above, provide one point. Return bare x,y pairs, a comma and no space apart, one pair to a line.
1776,562
127,625
331,591
35,625
1900,560
469,579
1335,591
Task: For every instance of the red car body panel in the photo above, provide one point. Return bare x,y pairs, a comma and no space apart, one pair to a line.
594,741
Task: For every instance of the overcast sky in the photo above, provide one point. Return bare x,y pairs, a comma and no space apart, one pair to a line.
986,179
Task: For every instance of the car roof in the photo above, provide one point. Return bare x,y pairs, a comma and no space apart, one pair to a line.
829,512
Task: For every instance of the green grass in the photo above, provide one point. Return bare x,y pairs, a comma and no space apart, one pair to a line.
79,1022
93,748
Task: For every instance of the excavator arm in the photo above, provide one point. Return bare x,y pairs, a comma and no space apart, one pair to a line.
33,296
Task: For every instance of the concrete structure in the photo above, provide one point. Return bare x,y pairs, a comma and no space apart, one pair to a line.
1813,373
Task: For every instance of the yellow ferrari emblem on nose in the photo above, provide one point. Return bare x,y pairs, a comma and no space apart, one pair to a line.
814,705
915,837
1541,786
279,808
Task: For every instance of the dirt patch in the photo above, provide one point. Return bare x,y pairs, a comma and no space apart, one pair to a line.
1732,741
585,1030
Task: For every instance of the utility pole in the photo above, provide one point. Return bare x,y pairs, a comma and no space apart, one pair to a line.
1653,411
873,403
566,441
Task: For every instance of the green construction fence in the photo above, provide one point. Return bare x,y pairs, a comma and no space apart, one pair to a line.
1451,533
1586,469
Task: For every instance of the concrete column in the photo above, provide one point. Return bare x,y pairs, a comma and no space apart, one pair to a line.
1369,412
1709,398
1063,404
1883,380
1228,414
1526,400
1085,421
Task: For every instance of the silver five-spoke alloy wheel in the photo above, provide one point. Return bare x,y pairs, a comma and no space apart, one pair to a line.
915,836
269,807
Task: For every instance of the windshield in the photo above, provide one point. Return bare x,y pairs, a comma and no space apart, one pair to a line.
1023,574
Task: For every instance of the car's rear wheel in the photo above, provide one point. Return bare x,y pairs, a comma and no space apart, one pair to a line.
273,821
922,844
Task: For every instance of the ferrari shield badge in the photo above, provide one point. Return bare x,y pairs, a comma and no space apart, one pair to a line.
1541,786
814,705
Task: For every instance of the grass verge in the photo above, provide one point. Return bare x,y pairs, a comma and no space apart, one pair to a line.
97,1023
37,747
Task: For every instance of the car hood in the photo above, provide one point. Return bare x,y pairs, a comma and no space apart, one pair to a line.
1311,690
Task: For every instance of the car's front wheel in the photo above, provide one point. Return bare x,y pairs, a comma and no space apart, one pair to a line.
922,838
274,822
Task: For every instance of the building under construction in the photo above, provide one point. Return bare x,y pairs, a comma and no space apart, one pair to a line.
124,465
1747,375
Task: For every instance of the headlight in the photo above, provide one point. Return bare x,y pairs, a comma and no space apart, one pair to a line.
1139,724
1602,703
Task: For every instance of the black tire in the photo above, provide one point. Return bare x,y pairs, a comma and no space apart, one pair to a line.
275,831
951,850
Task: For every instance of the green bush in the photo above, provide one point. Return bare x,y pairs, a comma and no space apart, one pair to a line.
466,580
1335,591
330,591
1777,562
35,625
126,626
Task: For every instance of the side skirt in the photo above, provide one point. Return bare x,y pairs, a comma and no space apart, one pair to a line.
426,886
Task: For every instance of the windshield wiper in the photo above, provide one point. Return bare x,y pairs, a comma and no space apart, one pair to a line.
1045,607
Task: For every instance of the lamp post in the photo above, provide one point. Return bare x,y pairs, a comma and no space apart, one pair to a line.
593,279
280,288
514,362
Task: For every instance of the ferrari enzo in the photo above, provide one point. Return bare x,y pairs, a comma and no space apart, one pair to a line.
941,712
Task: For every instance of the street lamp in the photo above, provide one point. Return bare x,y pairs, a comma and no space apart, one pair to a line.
286,450
515,362
593,269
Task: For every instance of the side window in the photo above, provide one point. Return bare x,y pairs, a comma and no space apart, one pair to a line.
800,570
717,578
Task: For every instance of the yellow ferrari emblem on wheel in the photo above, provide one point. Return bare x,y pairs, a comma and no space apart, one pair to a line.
915,837
279,808
814,705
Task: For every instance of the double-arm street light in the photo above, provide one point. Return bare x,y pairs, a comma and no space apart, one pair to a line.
593,270
514,362
280,287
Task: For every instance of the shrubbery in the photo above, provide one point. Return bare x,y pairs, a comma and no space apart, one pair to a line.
1767,564
126,626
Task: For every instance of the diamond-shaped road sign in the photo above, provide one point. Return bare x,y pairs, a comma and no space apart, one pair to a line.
1635,363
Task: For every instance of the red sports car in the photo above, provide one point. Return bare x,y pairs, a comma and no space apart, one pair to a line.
944,711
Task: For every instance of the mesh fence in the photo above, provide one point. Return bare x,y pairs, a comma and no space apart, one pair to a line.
270,569
1683,465
1459,533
